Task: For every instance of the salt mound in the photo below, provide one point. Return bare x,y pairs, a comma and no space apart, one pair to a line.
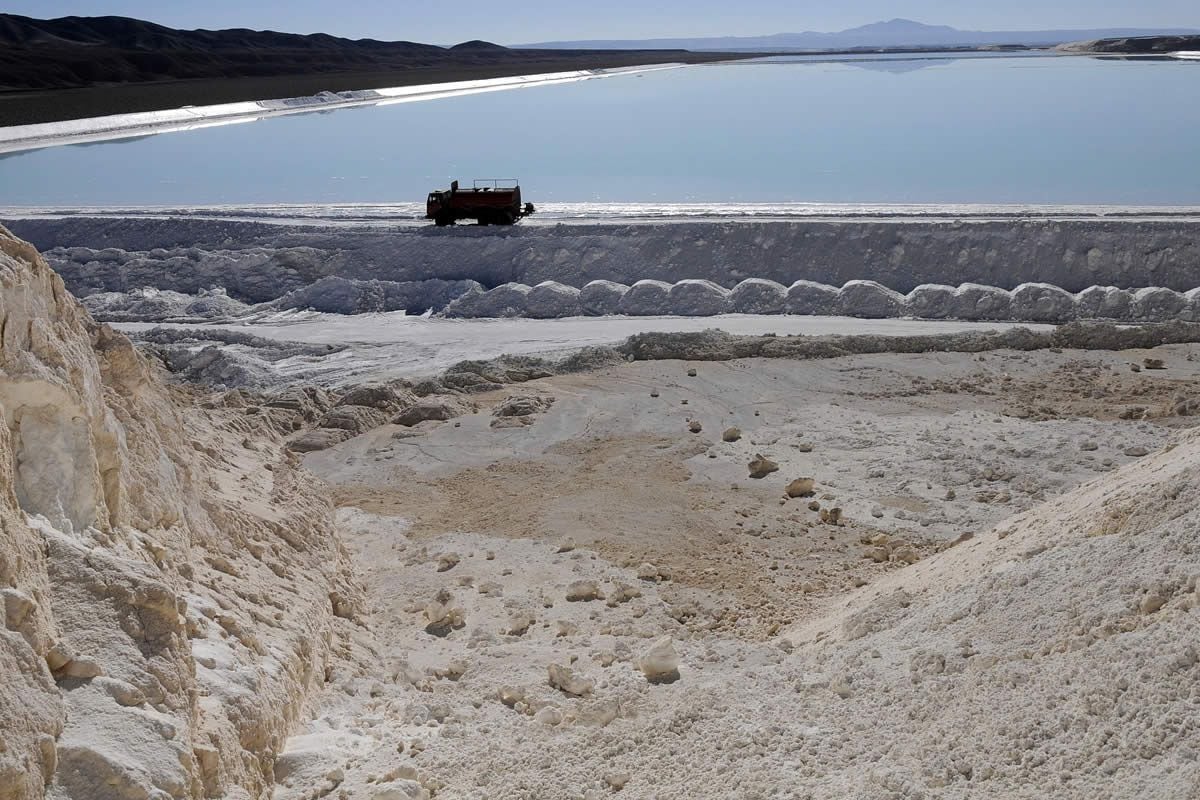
1156,304
757,296
506,300
646,299
551,299
807,297
932,301
1041,302
602,298
697,298
974,301
1104,302
1057,650
1191,310
869,299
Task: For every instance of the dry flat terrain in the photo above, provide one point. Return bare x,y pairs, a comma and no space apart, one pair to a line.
924,447
496,548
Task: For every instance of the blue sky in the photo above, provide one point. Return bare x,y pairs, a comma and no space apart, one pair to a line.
449,21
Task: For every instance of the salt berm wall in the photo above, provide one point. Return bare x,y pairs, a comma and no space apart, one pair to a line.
259,262
1029,302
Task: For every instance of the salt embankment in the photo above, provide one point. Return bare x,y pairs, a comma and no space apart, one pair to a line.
1048,270
259,262
1028,302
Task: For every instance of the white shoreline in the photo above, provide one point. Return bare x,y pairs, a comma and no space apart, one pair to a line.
17,138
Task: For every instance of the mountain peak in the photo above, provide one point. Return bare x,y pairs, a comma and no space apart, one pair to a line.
899,25
478,45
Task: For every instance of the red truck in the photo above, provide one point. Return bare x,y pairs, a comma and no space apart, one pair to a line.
491,201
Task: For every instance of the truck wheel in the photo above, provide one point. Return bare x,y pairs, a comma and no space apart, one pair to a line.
506,218
441,221
484,220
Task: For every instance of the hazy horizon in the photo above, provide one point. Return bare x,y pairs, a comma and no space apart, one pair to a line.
545,20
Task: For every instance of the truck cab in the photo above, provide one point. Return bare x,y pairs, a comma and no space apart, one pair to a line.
436,202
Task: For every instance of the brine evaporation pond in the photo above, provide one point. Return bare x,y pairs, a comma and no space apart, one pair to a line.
1016,128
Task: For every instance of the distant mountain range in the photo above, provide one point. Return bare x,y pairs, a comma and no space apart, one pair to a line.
134,34
74,52
893,33
131,65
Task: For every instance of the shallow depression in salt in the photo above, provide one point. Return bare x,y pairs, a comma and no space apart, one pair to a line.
928,129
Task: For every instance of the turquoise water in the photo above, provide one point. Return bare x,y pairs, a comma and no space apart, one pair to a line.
993,129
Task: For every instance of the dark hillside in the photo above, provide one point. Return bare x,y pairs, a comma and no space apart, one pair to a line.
1135,45
73,67
479,47
80,52
74,52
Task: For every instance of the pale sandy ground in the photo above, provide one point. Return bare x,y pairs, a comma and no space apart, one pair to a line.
793,682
